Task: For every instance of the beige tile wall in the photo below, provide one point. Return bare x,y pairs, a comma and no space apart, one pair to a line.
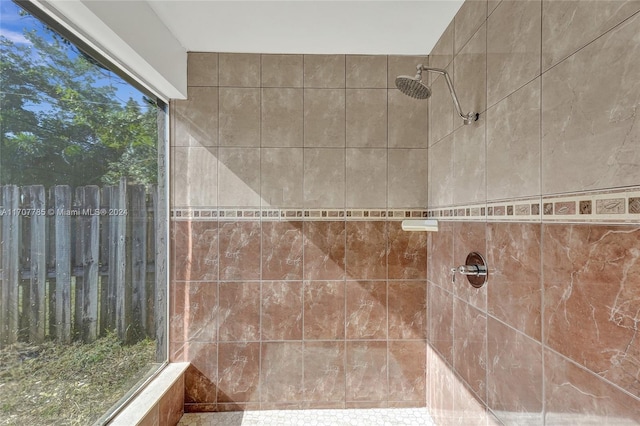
299,131
556,83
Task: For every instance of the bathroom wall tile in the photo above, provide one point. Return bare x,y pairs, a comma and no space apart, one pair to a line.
366,371
441,322
366,118
239,177
324,118
194,177
515,291
152,417
366,250
442,53
513,47
324,177
469,159
407,178
281,372
576,396
408,121
407,371
589,117
239,312
324,310
366,178
470,348
366,71
366,310
403,65
239,250
282,118
406,253
238,372
569,25
170,406
492,6
282,171
513,145
195,120
239,69
440,255
514,379
282,310
441,110
239,117
469,410
441,387
324,250
282,250
324,375
440,181
469,18
201,378
470,75
194,307
591,298
407,309
282,70
469,237
196,256
324,71
202,69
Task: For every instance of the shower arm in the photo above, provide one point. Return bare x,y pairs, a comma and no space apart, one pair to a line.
467,118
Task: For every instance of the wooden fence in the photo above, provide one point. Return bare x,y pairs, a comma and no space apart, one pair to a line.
76,264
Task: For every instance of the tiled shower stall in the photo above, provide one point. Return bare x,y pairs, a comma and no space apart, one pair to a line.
293,285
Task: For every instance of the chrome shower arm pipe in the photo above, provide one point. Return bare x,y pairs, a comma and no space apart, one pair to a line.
467,118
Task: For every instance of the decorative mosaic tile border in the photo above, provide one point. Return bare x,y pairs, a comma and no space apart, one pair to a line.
291,215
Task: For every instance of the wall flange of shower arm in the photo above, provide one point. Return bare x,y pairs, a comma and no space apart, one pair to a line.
414,87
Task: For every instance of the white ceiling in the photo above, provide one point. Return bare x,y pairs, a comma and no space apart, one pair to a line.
306,26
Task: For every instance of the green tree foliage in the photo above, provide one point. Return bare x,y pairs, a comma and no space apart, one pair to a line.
60,124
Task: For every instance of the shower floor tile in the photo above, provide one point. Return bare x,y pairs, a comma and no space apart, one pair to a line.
355,417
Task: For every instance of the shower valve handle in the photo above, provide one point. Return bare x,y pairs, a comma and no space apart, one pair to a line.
474,270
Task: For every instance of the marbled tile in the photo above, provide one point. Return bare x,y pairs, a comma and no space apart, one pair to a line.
513,145
324,310
406,253
239,117
408,121
324,177
366,177
202,69
366,310
514,292
281,177
569,25
194,172
239,177
407,370
469,346
281,372
513,47
195,120
368,71
440,173
576,396
441,388
442,53
441,109
282,310
239,311
589,117
514,379
366,371
366,111
366,250
469,18
170,406
592,298
324,71
469,411
324,118
282,117
403,65
407,178
239,250
238,372
239,69
324,374
196,251
469,160
470,237
282,250
324,250
440,322
152,417
440,255
470,75
407,310
282,70
194,307
201,377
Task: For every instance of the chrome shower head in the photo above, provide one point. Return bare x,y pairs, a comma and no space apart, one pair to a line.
413,86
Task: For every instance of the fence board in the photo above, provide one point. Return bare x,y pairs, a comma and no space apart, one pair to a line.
137,216
37,288
119,246
62,203
9,311
106,322
89,221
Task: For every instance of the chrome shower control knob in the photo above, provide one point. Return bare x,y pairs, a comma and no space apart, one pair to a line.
475,269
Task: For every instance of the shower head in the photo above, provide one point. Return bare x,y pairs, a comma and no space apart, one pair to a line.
414,87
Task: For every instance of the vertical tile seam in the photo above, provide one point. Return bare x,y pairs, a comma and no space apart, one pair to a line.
543,379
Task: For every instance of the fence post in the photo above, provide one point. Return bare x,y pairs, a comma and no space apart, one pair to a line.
62,221
9,313
107,322
119,246
89,221
38,271
137,222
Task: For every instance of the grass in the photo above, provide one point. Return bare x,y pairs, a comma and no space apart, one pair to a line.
52,384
